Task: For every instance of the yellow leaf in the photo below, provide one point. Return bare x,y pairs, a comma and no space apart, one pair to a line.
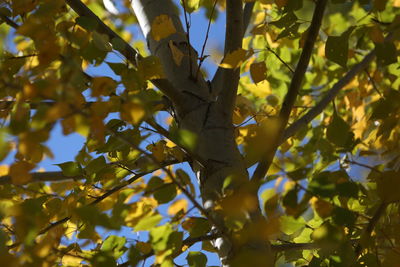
132,112
177,206
19,172
103,86
177,54
234,59
150,68
4,170
396,3
68,260
257,71
162,27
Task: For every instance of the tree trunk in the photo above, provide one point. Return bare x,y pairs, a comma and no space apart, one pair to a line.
210,120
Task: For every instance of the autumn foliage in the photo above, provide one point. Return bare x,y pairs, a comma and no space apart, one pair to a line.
315,118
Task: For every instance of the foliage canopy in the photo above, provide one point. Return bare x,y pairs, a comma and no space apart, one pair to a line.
309,95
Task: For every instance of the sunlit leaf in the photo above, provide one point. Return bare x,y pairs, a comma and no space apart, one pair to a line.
235,58
162,27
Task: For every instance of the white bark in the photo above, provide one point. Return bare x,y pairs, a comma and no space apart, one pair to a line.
209,120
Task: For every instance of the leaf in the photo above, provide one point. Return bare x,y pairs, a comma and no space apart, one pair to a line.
114,244
96,165
162,27
165,193
159,237
190,5
150,68
290,225
87,23
386,53
235,58
177,206
19,172
388,185
196,226
185,138
342,216
177,54
148,222
196,259
286,21
101,42
338,132
70,168
132,112
337,48
117,68
257,71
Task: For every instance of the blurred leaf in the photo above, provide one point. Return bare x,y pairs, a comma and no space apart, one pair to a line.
337,48
148,222
196,259
258,71
70,168
162,27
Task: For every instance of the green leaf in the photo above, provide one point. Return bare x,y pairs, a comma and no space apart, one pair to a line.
118,44
159,237
342,216
101,42
286,21
117,68
338,132
92,216
96,165
196,259
386,53
337,48
186,139
134,256
322,185
114,244
347,189
87,23
299,174
148,222
165,193
290,225
70,168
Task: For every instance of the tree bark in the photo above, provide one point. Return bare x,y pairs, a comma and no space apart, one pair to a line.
210,120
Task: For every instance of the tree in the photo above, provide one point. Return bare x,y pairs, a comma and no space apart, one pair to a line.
306,92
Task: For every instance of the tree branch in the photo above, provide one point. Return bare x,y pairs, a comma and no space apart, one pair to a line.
294,87
42,177
225,81
247,12
329,96
179,75
127,51
371,224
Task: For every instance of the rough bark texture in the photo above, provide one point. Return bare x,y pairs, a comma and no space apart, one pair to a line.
209,119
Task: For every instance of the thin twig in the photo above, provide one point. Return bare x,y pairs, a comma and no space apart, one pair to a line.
188,40
371,80
280,59
201,58
294,87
